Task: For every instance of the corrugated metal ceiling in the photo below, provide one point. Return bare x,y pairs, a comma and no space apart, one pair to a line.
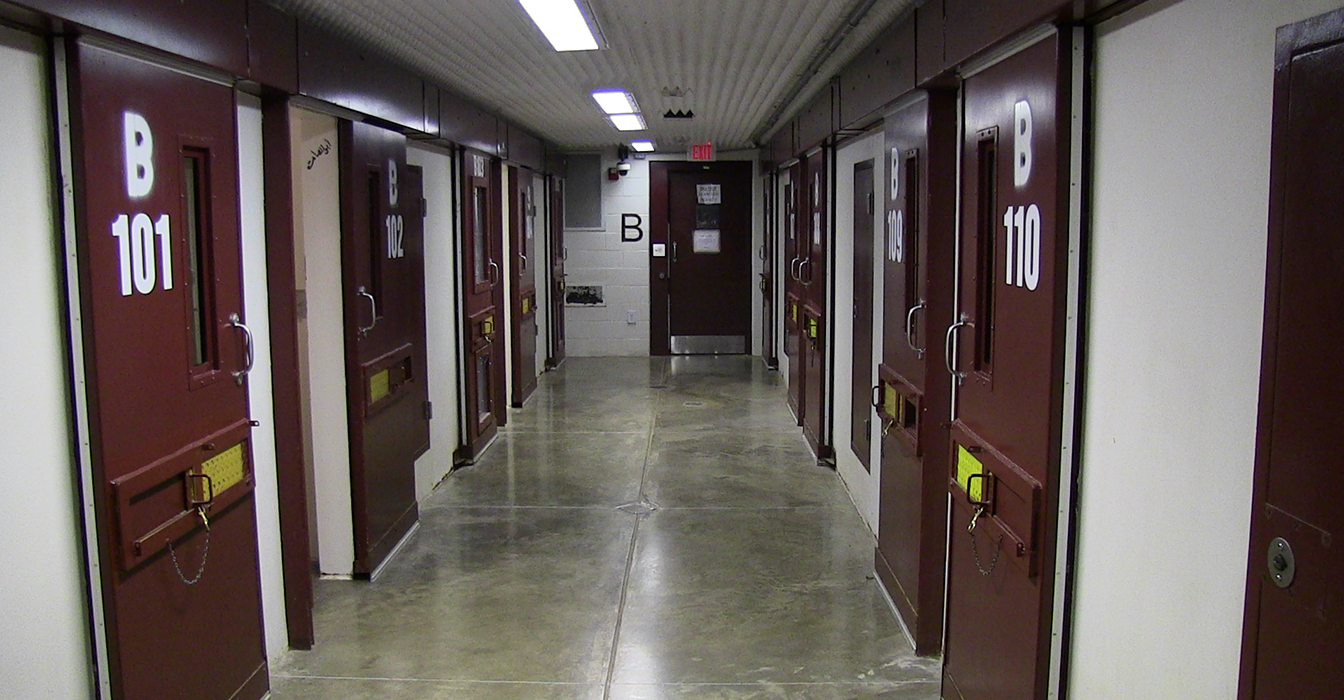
734,60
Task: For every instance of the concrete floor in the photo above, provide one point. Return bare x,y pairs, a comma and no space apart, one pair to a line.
737,569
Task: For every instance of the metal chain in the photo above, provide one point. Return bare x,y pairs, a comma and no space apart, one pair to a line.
204,555
975,549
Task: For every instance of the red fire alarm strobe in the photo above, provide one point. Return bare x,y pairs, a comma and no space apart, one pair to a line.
702,151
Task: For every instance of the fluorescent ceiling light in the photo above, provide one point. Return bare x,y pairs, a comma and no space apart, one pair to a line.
645,146
627,122
563,24
615,101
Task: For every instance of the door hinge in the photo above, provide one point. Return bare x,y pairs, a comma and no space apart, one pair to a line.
429,410
424,207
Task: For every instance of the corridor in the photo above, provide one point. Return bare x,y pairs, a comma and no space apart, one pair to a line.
645,528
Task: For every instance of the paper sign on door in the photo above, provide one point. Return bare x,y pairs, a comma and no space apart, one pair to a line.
705,241
709,194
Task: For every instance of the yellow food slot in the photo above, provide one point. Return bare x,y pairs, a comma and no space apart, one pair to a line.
226,469
968,465
891,403
379,386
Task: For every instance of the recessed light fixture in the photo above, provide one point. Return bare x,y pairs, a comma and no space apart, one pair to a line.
615,101
644,146
627,122
563,23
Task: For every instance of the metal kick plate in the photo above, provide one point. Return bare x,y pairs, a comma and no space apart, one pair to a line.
226,469
709,345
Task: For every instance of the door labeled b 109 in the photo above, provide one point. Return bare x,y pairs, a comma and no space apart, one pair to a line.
167,350
1006,353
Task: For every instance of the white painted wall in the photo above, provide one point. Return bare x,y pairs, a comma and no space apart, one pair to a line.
44,648
441,326
862,485
1181,175
256,302
622,269
317,221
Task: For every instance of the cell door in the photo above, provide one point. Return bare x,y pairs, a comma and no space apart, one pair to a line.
556,222
709,270
1294,639
913,396
168,352
815,240
1004,460
383,274
522,230
793,298
769,225
481,274
861,379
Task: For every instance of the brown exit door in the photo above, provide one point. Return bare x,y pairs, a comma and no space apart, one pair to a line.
793,291
481,275
168,352
814,241
555,220
382,251
861,399
1005,449
523,297
914,390
1294,639
704,301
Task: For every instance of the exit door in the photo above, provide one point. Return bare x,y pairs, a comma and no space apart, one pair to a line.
523,299
1294,638
482,238
168,353
707,277
382,250
1008,362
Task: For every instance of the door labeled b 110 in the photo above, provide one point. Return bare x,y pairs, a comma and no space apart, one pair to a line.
1007,356
168,352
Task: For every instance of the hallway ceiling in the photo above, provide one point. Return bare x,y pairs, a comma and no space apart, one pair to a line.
734,60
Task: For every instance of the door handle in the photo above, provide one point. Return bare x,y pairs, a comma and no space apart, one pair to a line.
674,251
910,327
792,265
364,330
494,273
237,322
877,397
806,263
948,342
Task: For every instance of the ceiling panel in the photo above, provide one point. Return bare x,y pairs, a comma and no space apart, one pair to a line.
730,61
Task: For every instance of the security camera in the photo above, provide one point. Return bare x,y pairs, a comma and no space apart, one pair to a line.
623,168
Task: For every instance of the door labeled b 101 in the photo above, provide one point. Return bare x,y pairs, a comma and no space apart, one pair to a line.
1007,356
382,270
167,351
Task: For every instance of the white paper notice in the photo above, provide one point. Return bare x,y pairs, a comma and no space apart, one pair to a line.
705,241
709,194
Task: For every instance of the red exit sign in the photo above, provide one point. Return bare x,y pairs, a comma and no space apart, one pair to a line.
702,151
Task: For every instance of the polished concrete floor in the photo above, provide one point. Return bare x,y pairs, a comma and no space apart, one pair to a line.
644,529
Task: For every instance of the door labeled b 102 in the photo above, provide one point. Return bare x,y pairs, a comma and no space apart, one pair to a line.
167,351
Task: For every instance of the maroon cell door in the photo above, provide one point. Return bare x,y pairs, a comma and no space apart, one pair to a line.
1004,460
480,275
861,397
555,220
814,240
168,352
1294,632
705,301
914,389
383,274
770,225
523,297
793,291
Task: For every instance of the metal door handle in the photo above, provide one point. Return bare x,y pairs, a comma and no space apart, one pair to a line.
364,331
237,322
805,263
494,273
877,397
674,251
524,257
964,320
910,327
792,264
